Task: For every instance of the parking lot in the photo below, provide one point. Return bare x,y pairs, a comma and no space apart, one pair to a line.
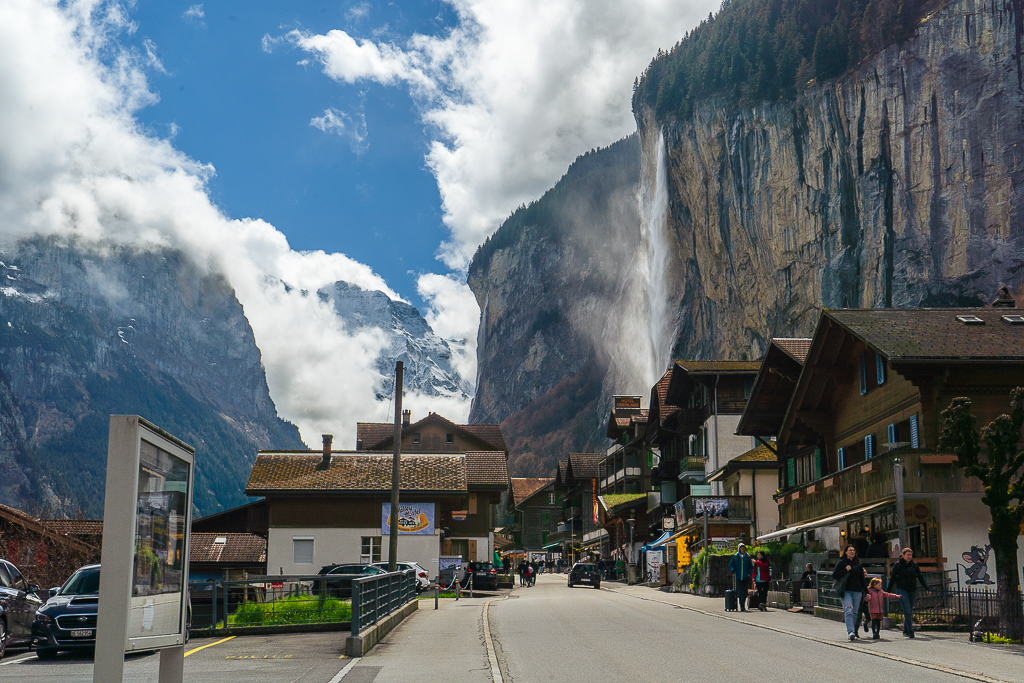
303,657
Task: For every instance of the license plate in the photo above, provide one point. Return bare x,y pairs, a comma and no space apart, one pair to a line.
83,633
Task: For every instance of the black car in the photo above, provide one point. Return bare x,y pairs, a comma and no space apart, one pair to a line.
484,575
68,619
19,601
339,585
584,573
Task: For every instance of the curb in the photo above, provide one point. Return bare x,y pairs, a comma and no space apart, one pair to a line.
358,646
270,629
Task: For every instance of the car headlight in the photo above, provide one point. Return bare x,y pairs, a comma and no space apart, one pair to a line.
44,618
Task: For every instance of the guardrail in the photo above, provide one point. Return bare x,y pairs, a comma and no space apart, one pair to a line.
375,597
264,601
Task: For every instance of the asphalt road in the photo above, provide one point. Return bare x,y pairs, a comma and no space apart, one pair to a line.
553,633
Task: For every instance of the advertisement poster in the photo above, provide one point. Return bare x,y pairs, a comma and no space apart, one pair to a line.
414,519
654,563
715,507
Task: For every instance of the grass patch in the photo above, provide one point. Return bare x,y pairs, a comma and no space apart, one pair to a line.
295,609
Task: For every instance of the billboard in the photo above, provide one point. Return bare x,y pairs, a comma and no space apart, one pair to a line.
414,519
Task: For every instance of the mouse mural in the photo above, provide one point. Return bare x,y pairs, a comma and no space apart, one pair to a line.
977,558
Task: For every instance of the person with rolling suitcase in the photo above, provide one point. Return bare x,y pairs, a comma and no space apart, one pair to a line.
730,600
742,569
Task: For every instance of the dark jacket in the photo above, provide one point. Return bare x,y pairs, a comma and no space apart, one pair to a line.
906,575
742,566
856,583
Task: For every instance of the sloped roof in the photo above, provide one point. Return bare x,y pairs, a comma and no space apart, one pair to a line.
236,548
585,465
760,454
523,488
379,435
486,469
74,527
277,471
27,521
758,458
613,500
796,347
715,367
909,334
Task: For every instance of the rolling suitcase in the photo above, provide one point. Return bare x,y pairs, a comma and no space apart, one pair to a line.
730,601
753,600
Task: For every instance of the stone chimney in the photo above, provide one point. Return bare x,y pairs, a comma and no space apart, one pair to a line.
325,462
1003,299
406,417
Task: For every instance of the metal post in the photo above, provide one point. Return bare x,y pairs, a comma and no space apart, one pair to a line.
355,606
437,591
458,587
901,519
225,615
213,606
706,539
396,474
470,585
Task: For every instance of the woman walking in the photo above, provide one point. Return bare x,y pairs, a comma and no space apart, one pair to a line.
762,579
905,577
876,605
850,577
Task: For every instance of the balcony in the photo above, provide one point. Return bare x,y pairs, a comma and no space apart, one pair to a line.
692,470
870,481
719,508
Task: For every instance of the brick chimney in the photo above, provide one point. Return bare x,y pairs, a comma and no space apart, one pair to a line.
325,462
406,417
1003,299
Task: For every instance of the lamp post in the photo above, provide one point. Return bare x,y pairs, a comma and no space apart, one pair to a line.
632,523
897,473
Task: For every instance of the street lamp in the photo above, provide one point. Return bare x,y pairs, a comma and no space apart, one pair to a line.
632,523
901,513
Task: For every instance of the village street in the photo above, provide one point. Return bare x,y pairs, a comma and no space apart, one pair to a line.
553,633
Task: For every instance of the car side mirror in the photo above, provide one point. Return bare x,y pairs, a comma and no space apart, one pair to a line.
32,588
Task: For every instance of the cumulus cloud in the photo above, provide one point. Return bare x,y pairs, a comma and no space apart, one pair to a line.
345,126
358,11
75,162
194,14
453,314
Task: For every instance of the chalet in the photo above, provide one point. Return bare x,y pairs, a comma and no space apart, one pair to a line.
330,507
535,507
857,426
226,556
432,434
626,468
579,530
45,553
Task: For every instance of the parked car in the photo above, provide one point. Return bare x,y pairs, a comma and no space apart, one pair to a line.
340,583
19,601
422,579
584,573
485,576
68,619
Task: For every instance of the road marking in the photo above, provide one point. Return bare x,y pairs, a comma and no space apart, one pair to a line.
492,656
884,655
203,647
341,674
15,661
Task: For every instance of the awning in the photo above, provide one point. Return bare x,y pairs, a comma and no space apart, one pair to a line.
550,546
662,539
667,540
806,526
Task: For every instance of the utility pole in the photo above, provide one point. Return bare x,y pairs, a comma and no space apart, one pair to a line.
396,471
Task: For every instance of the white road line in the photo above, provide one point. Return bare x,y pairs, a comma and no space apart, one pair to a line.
492,656
824,641
15,661
341,674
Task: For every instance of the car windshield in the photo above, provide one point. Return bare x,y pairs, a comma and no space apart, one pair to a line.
350,569
483,567
585,568
83,582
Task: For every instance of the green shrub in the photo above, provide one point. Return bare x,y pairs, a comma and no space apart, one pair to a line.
294,609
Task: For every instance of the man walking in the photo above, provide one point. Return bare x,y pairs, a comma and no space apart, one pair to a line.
742,569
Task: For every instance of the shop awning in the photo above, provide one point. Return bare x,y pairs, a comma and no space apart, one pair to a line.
654,544
663,540
551,546
806,526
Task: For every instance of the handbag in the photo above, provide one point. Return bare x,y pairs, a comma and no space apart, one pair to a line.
840,586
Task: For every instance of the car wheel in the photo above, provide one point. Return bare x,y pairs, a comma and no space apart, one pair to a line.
3,638
46,653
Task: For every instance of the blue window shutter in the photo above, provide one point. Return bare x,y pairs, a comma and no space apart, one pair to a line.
869,446
842,458
791,472
817,464
915,440
880,368
893,433
863,374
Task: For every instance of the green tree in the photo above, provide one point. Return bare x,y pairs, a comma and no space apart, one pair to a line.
998,464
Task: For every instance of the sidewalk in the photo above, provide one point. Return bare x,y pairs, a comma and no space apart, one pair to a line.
950,651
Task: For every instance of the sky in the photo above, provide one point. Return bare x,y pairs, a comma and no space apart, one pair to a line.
288,145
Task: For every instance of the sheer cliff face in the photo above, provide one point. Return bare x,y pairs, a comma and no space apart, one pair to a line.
84,335
900,184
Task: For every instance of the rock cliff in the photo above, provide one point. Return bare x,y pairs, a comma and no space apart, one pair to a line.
85,334
898,184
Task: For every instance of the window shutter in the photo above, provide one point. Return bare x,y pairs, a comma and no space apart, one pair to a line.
869,446
893,433
446,547
472,550
302,551
880,368
863,374
842,458
915,439
790,472
472,504
817,464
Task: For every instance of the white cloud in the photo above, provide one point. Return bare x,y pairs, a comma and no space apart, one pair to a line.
194,13
358,11
453,314
152,58
345,126
75,162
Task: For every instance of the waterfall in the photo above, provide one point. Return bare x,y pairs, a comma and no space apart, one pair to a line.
651,275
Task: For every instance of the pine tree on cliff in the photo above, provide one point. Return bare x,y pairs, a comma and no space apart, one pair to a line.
999,466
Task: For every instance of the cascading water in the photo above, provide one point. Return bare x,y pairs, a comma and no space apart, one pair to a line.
654,258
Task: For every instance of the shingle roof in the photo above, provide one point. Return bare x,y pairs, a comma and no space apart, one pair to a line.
372,433
523,488
698,367
376,435
796,347
760,454
661,391
585,465
907,334
486,468
489,433
355,472
236,548
75,527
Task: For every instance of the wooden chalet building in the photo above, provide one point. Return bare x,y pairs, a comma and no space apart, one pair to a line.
535,507
869,396
579,532
432,434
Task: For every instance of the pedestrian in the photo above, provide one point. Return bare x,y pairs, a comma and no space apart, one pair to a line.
620,569
877,549
600,567
742,569
851,583
807,578
905,577
876,605
862,543
529,575
521,569
762,579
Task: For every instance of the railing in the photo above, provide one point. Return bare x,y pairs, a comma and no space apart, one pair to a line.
375,597
718,508
265,601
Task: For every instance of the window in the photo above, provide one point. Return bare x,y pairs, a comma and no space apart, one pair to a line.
551,499
748,386
869,446
545,517
842,458
302,550
915,439
893,433
879,369
970,320
5,578
449,438
370,551
863,362
416,438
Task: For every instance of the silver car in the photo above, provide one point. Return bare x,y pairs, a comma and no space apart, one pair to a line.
422,579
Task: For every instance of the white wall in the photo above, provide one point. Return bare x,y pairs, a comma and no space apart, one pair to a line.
728,445
964,522
342,546
767,508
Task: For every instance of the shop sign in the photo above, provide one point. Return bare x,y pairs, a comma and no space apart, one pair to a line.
627,402
414,519
917,511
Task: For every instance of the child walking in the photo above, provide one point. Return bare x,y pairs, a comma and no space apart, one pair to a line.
876,605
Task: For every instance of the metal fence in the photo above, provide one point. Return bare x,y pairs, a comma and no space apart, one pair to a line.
265,601
375,597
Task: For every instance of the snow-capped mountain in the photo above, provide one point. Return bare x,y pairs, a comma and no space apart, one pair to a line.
427,357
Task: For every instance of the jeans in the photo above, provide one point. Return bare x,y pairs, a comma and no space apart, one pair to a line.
851,606
907,600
